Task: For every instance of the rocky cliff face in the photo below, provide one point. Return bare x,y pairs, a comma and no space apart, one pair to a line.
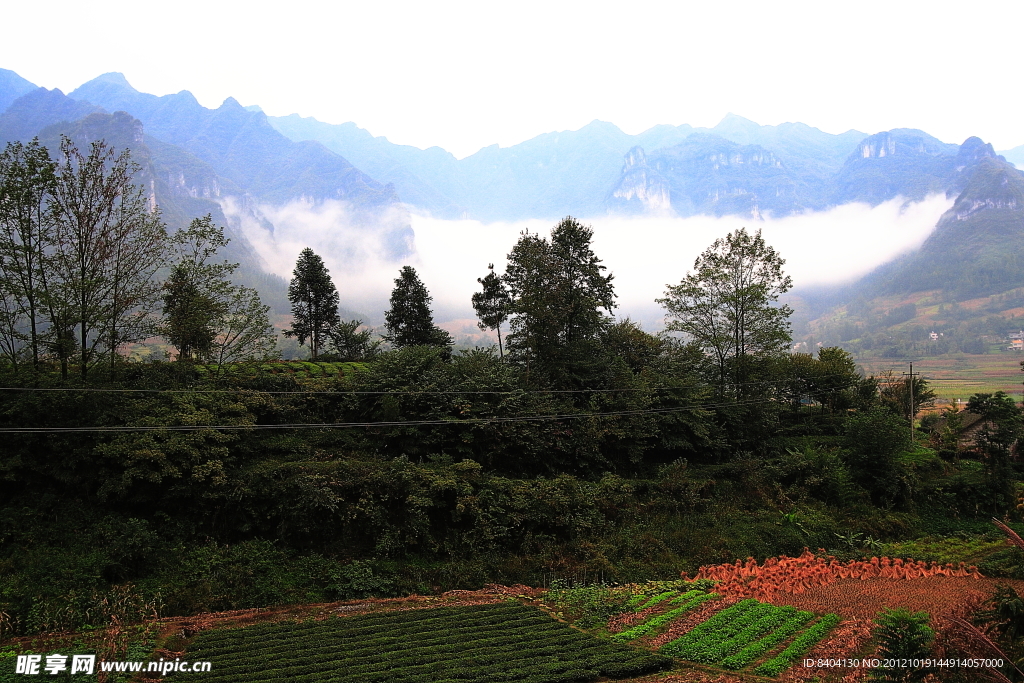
706,174
641,186
896,163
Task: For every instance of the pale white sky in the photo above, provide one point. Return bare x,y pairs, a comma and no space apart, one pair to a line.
463,75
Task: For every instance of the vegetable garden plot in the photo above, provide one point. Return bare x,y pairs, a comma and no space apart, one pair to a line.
750,634
481,643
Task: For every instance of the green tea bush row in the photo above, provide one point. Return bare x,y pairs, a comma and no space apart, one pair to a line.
749,654
804,642
485,644
443,643
371,653
436,636
359,626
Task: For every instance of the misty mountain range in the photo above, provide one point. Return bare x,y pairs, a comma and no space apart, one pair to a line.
199,160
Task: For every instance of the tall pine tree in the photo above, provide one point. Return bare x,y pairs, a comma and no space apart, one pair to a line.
409,321
314,301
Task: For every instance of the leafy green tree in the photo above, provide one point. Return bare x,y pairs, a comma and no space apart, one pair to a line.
894,393
206,316
409,321
26,233
189,315
557,294
348,343
727,304
244,332
491,304
314,300
834,379
903,635
875,439
1003,427
1005,613
108,244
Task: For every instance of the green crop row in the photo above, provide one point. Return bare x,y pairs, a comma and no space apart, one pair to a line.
720,619
705,648
751,652
661,597
643,629
768,620
688,595
636,600
804,642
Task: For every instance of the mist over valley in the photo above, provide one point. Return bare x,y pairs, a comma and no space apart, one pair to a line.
835,206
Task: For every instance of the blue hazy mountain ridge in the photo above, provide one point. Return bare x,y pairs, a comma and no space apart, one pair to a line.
240,145
400,165
38,108
1015,156
12,86
556,173
901,162
707,174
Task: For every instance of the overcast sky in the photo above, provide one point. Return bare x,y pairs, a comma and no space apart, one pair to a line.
463,75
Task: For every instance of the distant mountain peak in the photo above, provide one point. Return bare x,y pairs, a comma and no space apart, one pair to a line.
731,119
994,185
12,86
113,77
231,103
973,150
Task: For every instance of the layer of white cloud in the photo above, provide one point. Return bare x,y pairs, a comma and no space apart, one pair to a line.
644,253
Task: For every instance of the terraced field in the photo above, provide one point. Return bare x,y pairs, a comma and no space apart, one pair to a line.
749,636
958,376
474,644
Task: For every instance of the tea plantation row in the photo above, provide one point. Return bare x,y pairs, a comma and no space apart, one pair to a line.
485,643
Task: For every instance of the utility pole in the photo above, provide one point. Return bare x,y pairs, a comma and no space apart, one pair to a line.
910,385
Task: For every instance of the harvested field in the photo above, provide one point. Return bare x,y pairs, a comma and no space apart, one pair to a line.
940,596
